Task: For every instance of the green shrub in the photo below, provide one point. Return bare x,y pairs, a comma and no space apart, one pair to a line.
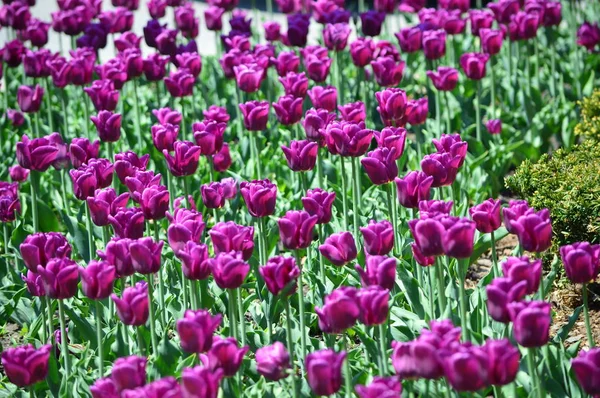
589,126
567,182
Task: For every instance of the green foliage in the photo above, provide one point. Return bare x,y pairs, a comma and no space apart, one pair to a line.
589,126
566,182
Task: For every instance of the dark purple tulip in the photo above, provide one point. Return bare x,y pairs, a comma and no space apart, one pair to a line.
108,126
452,22
531,322
117,253
354,112
193,258
458,237
491,40
154,201
586,367
486,216
388,387
184,161
288,6
196,330
443,167
103,95
428,235
373,304
97,279
524,26
418,358
392,137
127,40
380,165
392,106
155,67
167,116
114,70
104,388
416,111
581,261
361,51
222,159
465,367
317,68
434,44
180,83
504,9
273,361
348,139
260,197
34,63
249,77
216,193
552,13
296,229
500,293
370,22
474,65
200,381
129,372
494,126
515,209
503,361
133,62
128,223
229,269
387,71
323,97
379,271
18,173
152,31
288,109
228,236
225,355
272,31
105,203
186,225
444,79
34,284
95,37
13,53
280,274
82,150
213,18
410,39
146,255
314,123
523,269
286,62
422,260
141,180
319,202
384,6
216,113
30,98
164,136
324,371
60,277
413,188
39,248
256,115
117,20
301,155
17,15
132,308
84,182
16,117
378,237
339,248
339,311
25,365
294,84
167,387
335,36
534,231
186,21
298,27
480,19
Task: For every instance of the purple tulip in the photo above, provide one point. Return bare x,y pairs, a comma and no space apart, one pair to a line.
324,371
196,330
201,382
387,71
215,194
229,269
410,39
194,258
25,365
82,150
443,167
103,95
128,223
108,126
361,51
434,44
127,40
286,62
104,388
465,367
165,387
444,79
13,53
348,139
413,188
491,40
16,117
209,136
452,22
380,165
317,68
30,98
314,123
480,19
249,77
180,83
129,372
486,216
222,160
296,229
273,361
534,231
256,115
213,18
392,106
379,271
586,367
504,9
288,109
323,97
503,361
354,112
34,63
225,355
60,277
474,65
373,304
164,136
184,161
339,248
154,201
186,225
280,274
531,322
588,36
97,279
114,70
515,209
371,22
581,261
416,111
260,197
339,311
422,260
301,155
378,237
39,248
228,236
523,269
141,180
117,254
294,85
392,137
132,308
216,113
146,255
36,154
319,202
34,284
494,126
500,293
389,387
335,36
524,26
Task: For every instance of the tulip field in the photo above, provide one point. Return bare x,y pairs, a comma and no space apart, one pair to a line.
299,207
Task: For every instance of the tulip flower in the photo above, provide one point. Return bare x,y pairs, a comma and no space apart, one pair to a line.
319,202
494,126
323,97
524,25
392,106
225,355
416,111
301,155
60,277
465,367
413,188
196,330
228,269
25,365
104,388
117,253
280,274
504,9
190,61
260,197
410,39
380,165
103,95
159,388
443,167
480,19
30,98
288,109
215,193
256,115
434,44
34,284
216,113
515,209
295,84
581,261
201,382
486,216
444,79
348,139
155,67
418,358
317,68
503,361
588,36
491,40
371,22
324,371
222,160
146,255
184,161
380,387
339,248
36,154
339,311
164,136
534,231
354,112
40,248
335,36
129,372
186,225
127,40
315,122
13,52
500,293
378,237
16,118
273,361
474,65
194,263
133,306
586,369
296,229
82,150
361,51
180,83
379,271
141,180
209,136
523,269
373,304
249,77
388,72
167,116
286,62
531,322
128,223
127,163
97,279
228,236
108,126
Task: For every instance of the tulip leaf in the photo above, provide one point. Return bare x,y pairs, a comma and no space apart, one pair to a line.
411,287
83,327
77,231
564,331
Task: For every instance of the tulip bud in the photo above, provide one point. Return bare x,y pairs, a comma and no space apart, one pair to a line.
273,361
280,274
392,106
319,202
184,161
474,65
16,118
215,193
301,155
180,83
444,79
294,84
129,372
196,330
379,271
380,387
30,98
486,216
480,19
387,72
323,97
132,308
25,365
500,293
228,236
339,311
380,165
97,279
108,126
465,367
410,39
117,253
260,197
186,225
335,36
434,44
146,255
378,237
222,160
256,115
225,355
531,322
60,277
104,388
348,139
128,223
373,304
534,231
503,361
200,381
586,368
209,136
491,40
361,51
324,371
229,269
494,126
164,136
581,261
296,229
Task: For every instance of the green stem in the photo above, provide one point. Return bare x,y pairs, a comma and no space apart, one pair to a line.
552,64
462,268
99,338
344,193
150,280
140,341
5,235
347,372
536,385
34,208
290,345
255,143
241,312
382,349
196,296
161,283
586,313
493,89
44,323
64,182
536,62
448,115
431,273
392,214
438,115
136,108
321,258
63,103
510,69
496,268
86,117
90,231
50,318
441,286
301,306
36,117
478,111
232,315
63,338
528,72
